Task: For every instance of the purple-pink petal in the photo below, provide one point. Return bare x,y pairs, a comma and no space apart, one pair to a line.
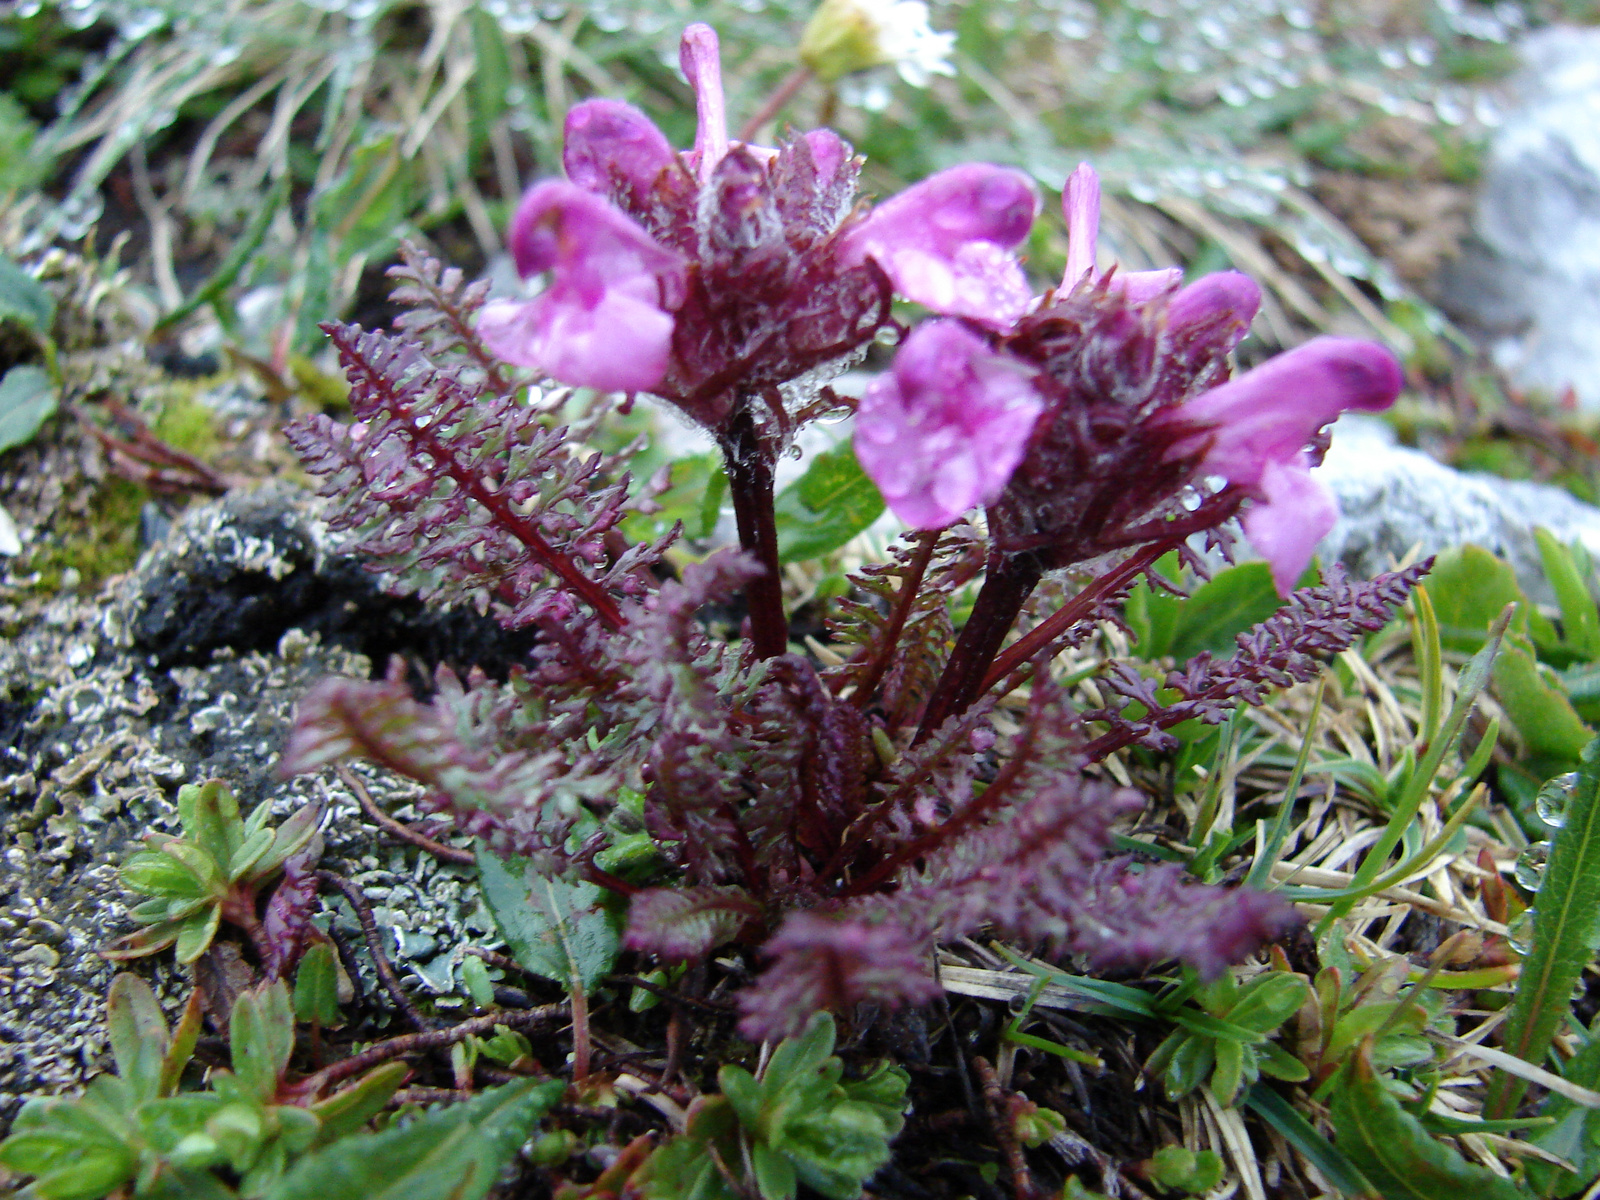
701,59
1253,431
1207,319
1080,206
605,320
1230,295
943,430
946,242
1292,513
608,141
1141,287
1269,414
829,154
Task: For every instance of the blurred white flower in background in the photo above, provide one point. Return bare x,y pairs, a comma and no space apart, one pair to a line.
844,36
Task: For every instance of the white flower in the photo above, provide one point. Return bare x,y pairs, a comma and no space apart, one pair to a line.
909,42
844,36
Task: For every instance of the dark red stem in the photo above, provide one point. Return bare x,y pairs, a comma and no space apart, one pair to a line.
785,92
750,485
1008,583
1058,623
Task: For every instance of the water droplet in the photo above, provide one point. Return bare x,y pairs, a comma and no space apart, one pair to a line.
1520,932
1550,805
1529,871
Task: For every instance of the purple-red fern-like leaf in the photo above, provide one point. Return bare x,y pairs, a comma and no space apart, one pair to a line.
464,496
835,961
684,923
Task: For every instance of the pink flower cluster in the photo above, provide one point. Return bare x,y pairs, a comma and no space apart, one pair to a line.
715,276
960,416
731,268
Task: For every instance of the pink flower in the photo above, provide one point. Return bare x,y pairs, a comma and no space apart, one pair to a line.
718,274
946,242
605,320
1253,431
941,432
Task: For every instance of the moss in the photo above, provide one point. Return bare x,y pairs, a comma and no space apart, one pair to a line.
185,423
103,543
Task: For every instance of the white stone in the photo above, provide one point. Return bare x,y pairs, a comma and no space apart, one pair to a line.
1393,499
1530,278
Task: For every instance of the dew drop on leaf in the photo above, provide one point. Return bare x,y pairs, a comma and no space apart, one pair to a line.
1550,805
1520,932
1529,871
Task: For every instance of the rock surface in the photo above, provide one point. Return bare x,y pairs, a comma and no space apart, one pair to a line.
1530,278
1394,500
185,670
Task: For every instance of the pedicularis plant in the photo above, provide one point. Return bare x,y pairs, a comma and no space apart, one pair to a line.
842,819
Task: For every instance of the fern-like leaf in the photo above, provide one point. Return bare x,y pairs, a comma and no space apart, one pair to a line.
463,497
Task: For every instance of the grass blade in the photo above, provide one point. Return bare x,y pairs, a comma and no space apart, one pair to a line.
1260,875
1328,1159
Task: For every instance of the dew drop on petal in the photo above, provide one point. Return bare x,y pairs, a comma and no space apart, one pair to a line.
1550,805
1529,871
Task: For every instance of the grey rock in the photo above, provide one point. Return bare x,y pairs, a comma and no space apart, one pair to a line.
1530,278
110,703
1394,500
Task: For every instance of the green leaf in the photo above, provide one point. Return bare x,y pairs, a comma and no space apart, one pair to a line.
291,837
195,933
316,987
565,932
1179,1169
90,1173
348,1109
1269,1000
1399,1158
1469,588
182,1045
212,819
1537,703
1152,614
25,300
27,401
695,486
1228,1076
261,1038
826,507
683,1168
1580,620
1272,1059
250,852
1225,605
775,1174
476,978
1566,920
454,1153
835,1140
138,1033
743,1092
